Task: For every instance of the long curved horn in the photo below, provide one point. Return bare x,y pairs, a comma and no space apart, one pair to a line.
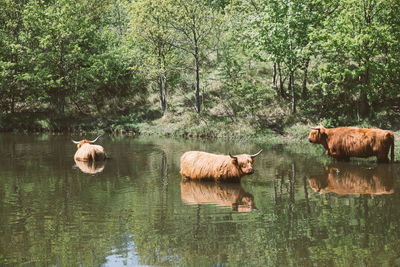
234,157
75,142
316,128
95,139
255,155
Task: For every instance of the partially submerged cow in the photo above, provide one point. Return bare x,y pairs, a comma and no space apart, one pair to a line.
345,142
345,178
224,195
89,152
199,165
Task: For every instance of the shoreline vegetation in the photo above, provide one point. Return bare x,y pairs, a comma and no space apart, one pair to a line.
291,136
250,69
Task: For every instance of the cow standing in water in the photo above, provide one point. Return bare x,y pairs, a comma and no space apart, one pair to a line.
345,142
199,165
89,152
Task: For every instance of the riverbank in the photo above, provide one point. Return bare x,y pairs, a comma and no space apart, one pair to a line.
291,132
275,129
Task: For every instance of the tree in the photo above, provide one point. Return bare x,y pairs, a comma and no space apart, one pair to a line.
196,26
63,42
13,60
280,32
73,49
357,45
149,30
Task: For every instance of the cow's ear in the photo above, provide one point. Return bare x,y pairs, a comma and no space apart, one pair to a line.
323,132
322,129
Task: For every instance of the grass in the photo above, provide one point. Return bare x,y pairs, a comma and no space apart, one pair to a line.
292,134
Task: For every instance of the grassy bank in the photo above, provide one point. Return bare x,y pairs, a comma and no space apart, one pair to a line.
292,132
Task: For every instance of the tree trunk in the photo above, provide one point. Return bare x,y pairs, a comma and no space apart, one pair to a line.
281,89
61,102
304,86
197,85
363,104
162,80
363,100
165,92
62,73
292,92
196,66
161,92
12,103
274,83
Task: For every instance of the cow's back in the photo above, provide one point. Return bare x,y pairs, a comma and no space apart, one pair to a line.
90,152
358,142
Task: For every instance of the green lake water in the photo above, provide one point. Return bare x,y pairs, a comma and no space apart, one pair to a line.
298,208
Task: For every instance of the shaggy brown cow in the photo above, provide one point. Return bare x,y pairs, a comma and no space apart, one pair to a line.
345,178
225,195
345,142
220,168
89,152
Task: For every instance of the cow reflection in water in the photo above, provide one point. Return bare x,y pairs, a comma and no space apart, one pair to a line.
226,195
90,167
345,178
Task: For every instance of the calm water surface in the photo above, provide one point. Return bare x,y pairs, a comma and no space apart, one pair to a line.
298,209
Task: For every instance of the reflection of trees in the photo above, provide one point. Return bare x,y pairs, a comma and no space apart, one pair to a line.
55,216
64,217
302,229
292,226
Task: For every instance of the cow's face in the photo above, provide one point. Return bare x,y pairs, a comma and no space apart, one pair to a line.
317,135
244,163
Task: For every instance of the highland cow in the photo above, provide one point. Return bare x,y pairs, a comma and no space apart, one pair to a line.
199,165
89,152
345,142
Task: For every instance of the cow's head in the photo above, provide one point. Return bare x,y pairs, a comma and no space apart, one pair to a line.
244,162
317,135
85,141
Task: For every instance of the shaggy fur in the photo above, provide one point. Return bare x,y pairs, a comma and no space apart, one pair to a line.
206,166
345,142
342,178
226,195
89,152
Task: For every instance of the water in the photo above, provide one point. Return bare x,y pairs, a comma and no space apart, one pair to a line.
298,209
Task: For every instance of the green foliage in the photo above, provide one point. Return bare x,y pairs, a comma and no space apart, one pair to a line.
356,46
268,64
